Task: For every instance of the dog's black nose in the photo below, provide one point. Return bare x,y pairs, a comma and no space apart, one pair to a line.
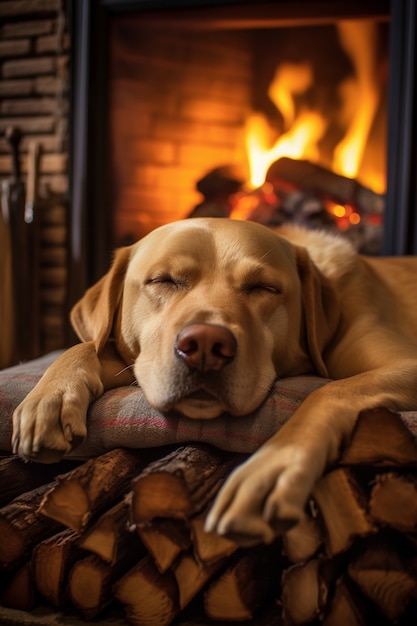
205,346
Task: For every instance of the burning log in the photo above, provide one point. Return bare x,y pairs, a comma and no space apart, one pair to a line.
323,183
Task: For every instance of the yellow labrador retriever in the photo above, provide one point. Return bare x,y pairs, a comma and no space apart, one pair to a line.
205,314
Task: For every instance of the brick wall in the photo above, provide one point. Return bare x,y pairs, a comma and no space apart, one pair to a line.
178,101
33,97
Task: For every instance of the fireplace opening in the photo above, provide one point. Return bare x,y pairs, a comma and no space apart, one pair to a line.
275,123
163,97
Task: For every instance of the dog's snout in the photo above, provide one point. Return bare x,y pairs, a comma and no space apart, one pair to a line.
205,346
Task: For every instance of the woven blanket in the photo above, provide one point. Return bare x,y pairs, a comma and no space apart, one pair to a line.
123,418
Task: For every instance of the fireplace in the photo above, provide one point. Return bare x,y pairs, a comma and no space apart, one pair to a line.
163,96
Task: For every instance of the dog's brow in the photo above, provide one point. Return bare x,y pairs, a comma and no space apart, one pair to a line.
269,251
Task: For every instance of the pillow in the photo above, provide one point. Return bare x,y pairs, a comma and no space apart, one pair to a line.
123,418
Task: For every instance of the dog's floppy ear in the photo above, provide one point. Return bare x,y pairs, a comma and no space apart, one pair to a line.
321,309
93,316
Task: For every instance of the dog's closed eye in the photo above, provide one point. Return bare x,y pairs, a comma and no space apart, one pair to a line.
253,288
166,280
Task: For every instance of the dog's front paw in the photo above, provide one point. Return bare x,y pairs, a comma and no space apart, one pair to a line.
49,423
264,497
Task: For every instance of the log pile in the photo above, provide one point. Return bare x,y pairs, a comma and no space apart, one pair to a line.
126,530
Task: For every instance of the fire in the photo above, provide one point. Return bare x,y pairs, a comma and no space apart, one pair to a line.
359,41
299,141
303,128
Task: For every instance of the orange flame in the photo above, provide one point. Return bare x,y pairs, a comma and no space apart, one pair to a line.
359,41
303,129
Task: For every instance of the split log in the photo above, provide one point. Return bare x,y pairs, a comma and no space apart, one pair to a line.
245,585
386,574
304,592
323,183
380,437
303,541
22,528
109,537
91,580
180,484
209,547
348,608
151,598
165,539
343,508
393,501
20,592
92,487
17,476
52,560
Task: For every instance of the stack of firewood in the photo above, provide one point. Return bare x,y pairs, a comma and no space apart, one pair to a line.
126,529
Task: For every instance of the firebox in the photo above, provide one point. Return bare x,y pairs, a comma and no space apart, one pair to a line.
272,111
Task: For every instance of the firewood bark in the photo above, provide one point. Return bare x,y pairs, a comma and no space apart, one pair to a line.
20,592
165,539
180,484
18,476
343,508
394,501
21,527
91,580
387,575
303,541
52,560
92,487
110,536
380,437
151,598
324,183
245,585
304,592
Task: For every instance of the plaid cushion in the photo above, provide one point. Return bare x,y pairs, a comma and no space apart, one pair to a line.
123,418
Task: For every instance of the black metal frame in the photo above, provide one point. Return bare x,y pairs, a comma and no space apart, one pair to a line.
90,211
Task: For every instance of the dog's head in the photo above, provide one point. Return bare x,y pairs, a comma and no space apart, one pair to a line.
209,312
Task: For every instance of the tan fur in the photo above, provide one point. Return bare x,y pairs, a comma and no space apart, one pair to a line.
294,303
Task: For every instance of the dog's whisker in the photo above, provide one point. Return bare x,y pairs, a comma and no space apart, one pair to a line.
125,369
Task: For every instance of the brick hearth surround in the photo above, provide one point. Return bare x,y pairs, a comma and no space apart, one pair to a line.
33,97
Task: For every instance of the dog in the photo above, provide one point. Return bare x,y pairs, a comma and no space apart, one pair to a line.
206,314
